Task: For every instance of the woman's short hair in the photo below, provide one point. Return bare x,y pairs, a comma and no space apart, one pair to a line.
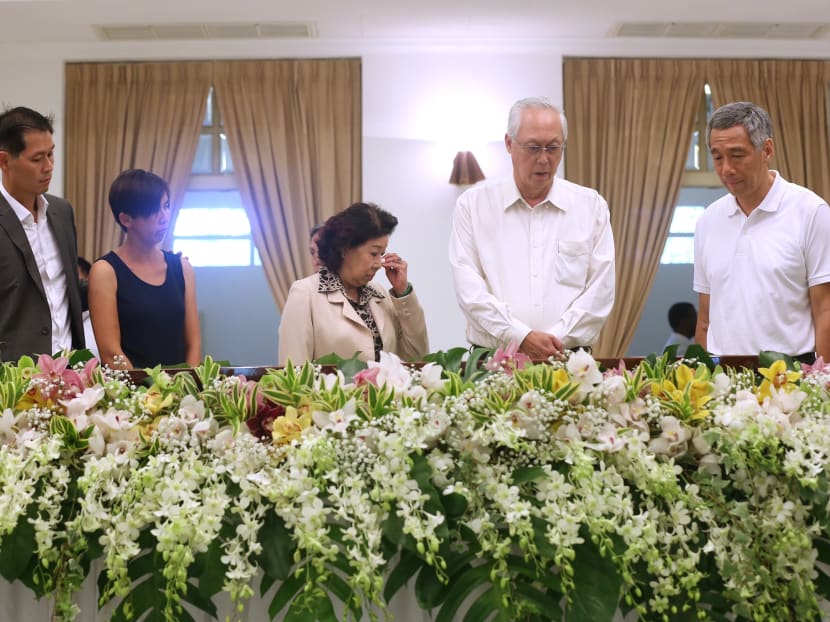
137,193
353,227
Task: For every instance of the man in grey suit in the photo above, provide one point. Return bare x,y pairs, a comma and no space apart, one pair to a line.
40,300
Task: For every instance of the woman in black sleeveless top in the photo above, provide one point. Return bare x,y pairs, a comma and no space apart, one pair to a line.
142,300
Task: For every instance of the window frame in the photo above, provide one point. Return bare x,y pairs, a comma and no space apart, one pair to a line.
216,181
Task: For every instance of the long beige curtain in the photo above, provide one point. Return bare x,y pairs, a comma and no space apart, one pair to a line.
629,127
294,133
794,92
128,115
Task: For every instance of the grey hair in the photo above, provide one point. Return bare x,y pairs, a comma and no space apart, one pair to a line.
514,119
751,116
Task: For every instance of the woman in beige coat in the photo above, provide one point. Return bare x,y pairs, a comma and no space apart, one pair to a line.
340,310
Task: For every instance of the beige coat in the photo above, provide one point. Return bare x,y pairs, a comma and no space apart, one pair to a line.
315,324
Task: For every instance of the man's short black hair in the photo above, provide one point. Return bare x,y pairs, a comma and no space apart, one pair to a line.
15,122
680,311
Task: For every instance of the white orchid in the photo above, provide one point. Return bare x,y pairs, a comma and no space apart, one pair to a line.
82,404
673,437
584,370
336,421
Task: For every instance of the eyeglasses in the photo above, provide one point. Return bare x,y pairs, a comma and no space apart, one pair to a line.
535,150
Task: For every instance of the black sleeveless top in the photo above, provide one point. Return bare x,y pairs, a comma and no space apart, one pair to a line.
151,317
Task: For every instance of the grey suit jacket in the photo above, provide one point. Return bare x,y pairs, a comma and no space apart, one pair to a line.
25,322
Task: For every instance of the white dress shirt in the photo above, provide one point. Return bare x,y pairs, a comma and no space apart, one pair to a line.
758,269
49,266
519,268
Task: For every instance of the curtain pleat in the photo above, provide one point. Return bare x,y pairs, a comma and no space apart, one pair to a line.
794,92
294,133
128,115
629,127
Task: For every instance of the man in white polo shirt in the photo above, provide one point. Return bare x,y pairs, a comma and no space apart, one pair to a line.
40,300
762,266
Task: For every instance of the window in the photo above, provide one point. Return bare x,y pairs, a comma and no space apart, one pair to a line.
212,228
698,159
699,187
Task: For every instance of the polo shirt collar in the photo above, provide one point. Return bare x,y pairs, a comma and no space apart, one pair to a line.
772,200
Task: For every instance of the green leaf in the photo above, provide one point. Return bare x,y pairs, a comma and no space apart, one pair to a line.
278,547
460,587
408,564
320,609
543,545
285,594
80,356
16,549
143,598
671,351
393,529
596,585
343,591
429,591
767,357
195,597
539,600
455,504
534,574
483,607
472,368
143,565
210,570
528,474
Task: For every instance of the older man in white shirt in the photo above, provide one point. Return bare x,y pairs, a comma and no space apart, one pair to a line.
533,257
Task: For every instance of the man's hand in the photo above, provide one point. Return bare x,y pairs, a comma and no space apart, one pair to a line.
539,346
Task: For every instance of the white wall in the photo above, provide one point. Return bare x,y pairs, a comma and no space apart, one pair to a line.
420,105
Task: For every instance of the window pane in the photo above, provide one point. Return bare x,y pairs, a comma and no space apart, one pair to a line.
202,163
679,249
225,164
212,221
208,120
215,252
692,160
685,217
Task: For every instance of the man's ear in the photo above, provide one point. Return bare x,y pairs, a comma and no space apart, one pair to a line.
768,149
5,158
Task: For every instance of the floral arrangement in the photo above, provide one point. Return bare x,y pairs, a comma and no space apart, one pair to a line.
510,491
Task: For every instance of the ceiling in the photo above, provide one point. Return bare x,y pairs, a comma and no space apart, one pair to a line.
81,21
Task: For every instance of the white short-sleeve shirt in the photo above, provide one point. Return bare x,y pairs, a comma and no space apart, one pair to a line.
757,270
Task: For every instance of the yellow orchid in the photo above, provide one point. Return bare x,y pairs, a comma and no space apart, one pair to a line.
290,426
154,402
779,377
687,394
560,378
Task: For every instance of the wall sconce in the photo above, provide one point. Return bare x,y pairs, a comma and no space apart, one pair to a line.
465,169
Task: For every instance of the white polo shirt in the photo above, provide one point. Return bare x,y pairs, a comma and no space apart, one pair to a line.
758,269
49,266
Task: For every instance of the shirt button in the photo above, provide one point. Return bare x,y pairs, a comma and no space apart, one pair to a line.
44,331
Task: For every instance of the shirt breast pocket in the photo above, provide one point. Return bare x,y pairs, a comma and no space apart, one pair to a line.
572,260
